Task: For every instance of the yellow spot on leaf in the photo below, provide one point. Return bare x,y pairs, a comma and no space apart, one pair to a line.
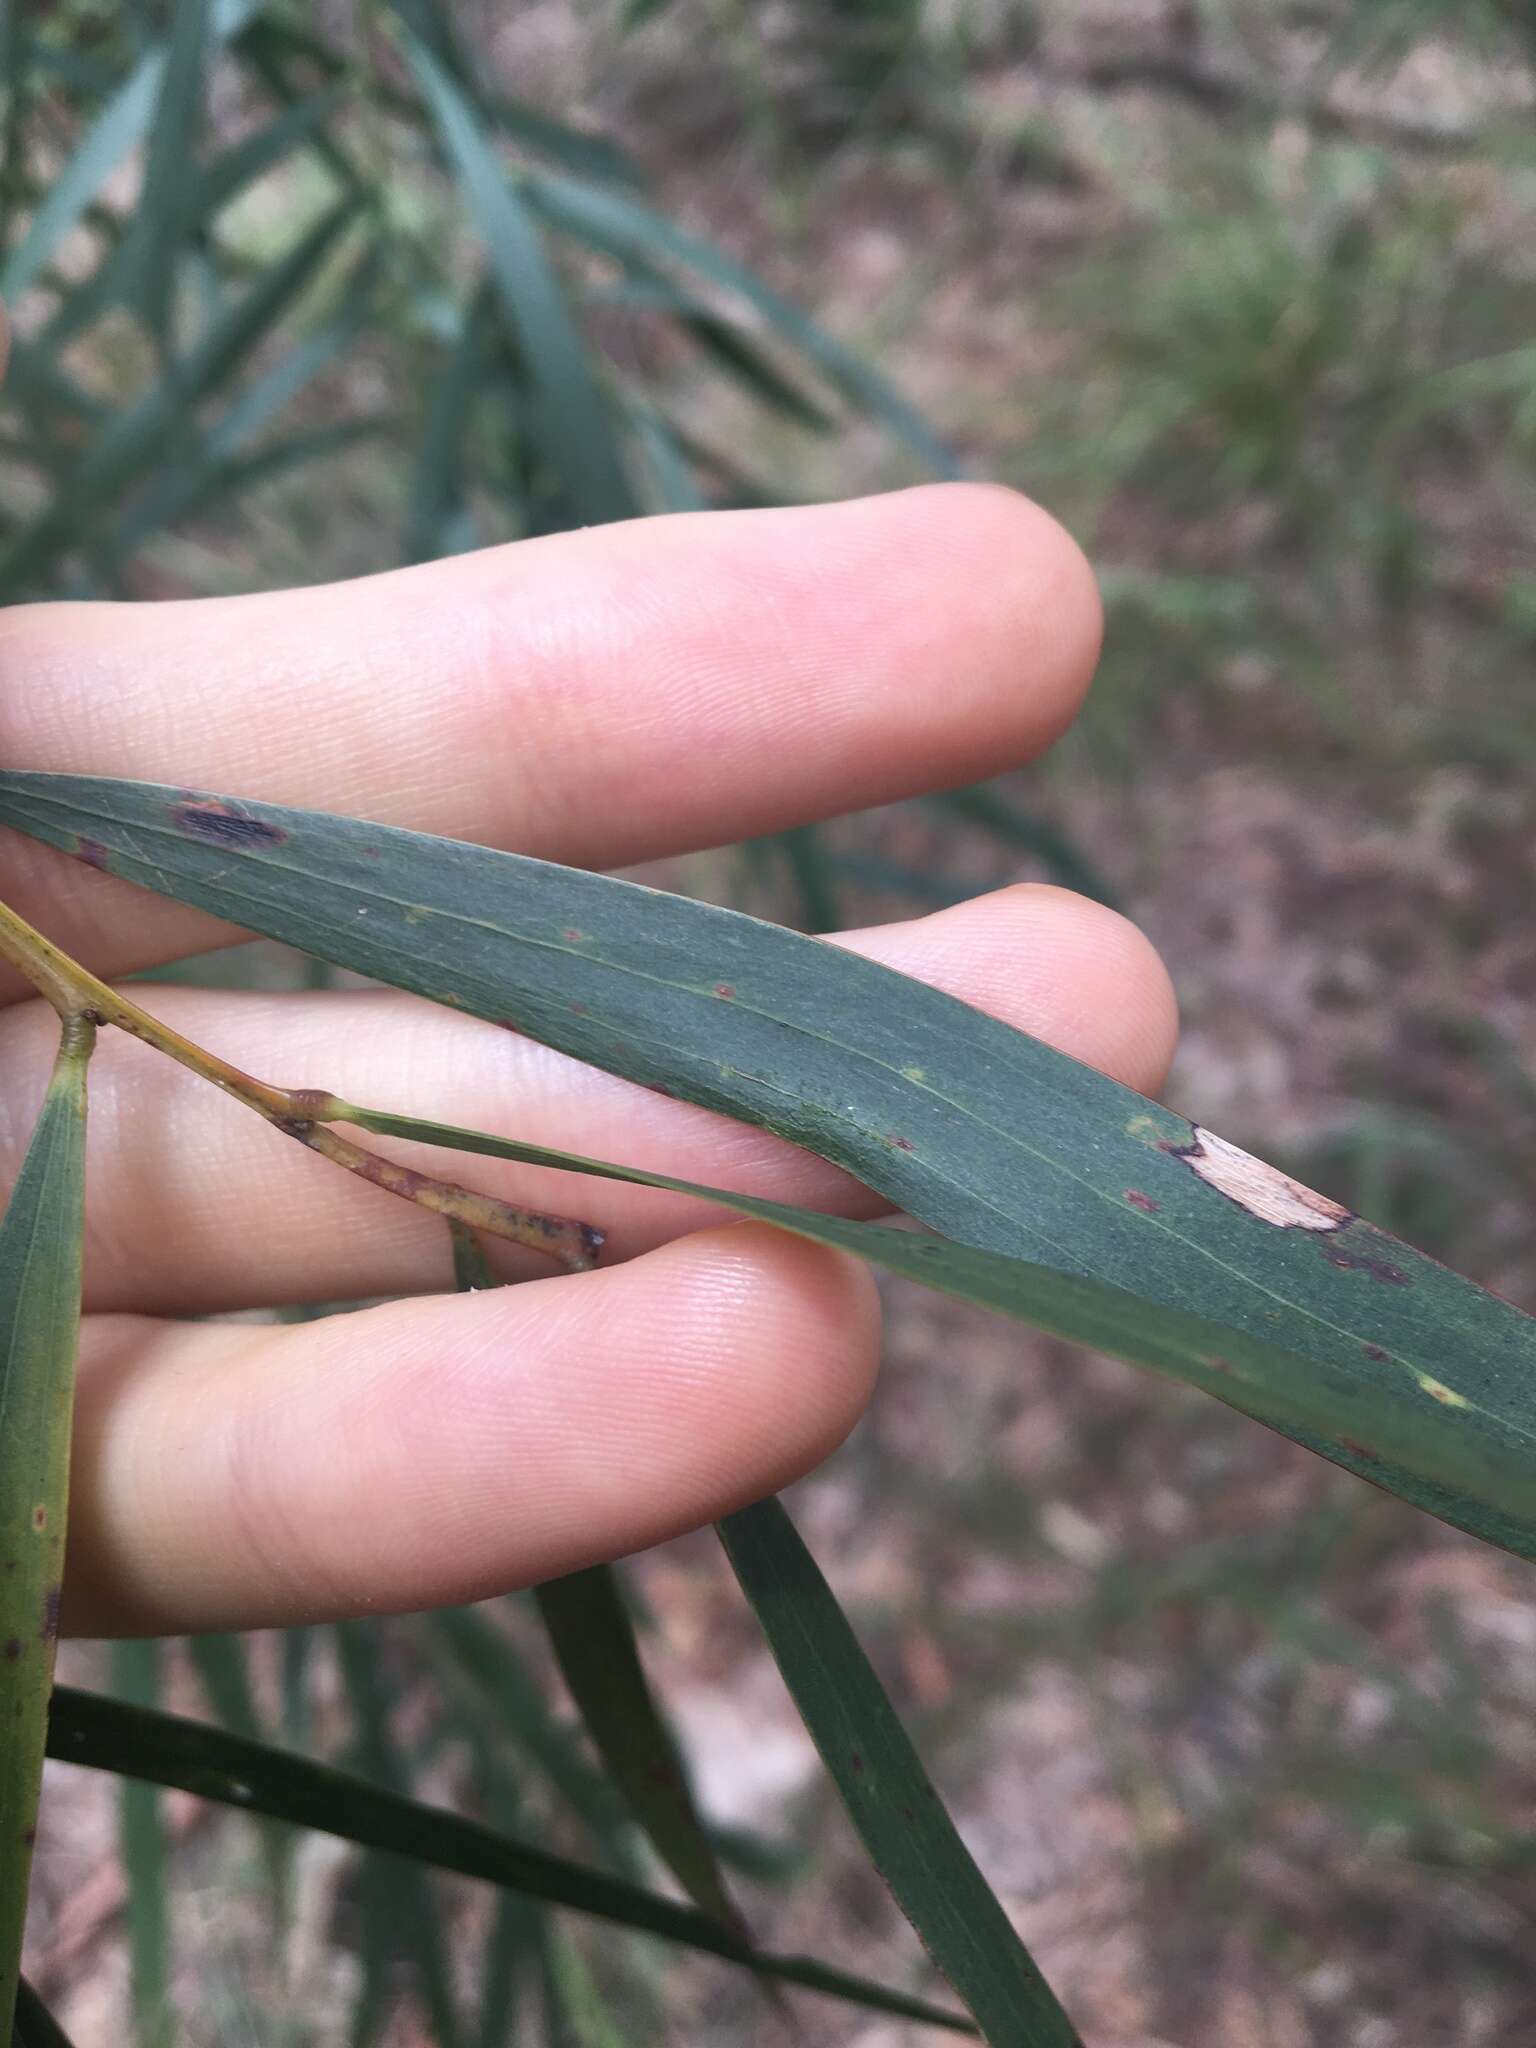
1438,1391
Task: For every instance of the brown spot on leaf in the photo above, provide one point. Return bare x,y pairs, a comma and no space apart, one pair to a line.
93,853
899,1143
1142,1202
49,1628
1262,1190
12,1649
572,936
218,825
1375,1351
858,1764
724,990
1360,1451
40,1516
29,1836
1352,1262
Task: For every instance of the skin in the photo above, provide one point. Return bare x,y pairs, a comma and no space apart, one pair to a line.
598,697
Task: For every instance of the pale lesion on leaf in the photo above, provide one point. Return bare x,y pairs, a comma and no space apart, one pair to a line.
1263,1190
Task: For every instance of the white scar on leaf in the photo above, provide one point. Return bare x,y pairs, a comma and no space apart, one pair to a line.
1264,1191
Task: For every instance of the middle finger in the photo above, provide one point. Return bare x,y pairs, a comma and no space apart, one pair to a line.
197,1207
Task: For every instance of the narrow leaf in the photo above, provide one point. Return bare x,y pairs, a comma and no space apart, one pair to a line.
627,229
890,1800
171,172
135,1676
40,1241
594,1643
109,1735
593,1638
120,126
398,1898
1161,1241
572,419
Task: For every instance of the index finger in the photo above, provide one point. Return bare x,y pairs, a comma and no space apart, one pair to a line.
597,697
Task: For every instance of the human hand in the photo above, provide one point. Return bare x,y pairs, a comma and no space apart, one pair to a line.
599,698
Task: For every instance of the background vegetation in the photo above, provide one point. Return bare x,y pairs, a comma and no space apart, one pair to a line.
1245,292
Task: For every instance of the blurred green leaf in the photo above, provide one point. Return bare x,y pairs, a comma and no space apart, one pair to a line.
593,1638
398,1903
105,1734
890,1799
40,1243
167,197
122,124
629,230
594,1642
571,419
136,1678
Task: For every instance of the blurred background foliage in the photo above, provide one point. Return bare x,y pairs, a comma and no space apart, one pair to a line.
1243,290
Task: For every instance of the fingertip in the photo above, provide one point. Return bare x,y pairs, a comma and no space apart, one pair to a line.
1038,616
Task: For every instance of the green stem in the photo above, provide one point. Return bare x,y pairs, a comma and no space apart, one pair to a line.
299,1113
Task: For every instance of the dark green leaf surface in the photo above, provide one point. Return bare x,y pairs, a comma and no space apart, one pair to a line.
40,1242
1136,1230
109,1735
889,1798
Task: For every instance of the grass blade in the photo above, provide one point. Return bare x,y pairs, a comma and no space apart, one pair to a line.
890,1800
1106,1216
572,418
109,1735
136,1677
40,1241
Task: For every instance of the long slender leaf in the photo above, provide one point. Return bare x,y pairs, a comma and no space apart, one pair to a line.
513,1703
136,1677
628,229
1128,1225
137,435
594,1643
912,1840
171,173
398,1898
109,1735
572,420
40,1241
